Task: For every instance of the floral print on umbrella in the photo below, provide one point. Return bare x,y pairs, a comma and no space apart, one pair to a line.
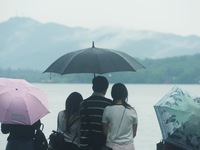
179,118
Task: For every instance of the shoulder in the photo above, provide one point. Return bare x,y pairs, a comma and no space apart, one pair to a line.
98,99
61,113
109,100
131,109
83,103
108,108
37,124
5,128
132,112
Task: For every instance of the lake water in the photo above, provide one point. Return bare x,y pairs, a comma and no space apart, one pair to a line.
141,96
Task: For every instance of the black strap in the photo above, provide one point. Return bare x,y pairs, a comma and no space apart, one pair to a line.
120,123
63,133
75,137
76,132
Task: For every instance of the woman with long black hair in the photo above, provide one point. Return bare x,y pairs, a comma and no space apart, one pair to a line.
120,120
68,121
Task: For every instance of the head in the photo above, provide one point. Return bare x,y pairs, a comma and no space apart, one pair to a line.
119,92
73,101
100,84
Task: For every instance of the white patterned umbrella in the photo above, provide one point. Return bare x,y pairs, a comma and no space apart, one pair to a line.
178,114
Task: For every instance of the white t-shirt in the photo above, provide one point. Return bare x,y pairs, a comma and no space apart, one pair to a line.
113,115
75,128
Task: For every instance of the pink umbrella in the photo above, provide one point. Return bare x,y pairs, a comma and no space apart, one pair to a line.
21,102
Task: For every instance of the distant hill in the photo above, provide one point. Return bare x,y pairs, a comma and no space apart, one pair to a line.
173,70
28,44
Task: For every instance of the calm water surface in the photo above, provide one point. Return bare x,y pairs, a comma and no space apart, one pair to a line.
141,96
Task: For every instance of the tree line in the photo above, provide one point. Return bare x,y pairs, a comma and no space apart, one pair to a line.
174,70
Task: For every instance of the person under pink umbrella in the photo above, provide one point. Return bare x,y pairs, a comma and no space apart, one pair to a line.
22,105
21,137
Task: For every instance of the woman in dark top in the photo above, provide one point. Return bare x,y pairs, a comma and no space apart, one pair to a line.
20,136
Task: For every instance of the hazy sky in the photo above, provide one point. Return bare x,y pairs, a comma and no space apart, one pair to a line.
173,16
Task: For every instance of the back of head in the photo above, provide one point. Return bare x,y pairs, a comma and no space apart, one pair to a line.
119,92
100,84
73,101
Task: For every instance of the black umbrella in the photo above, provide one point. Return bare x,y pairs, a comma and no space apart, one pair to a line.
94,60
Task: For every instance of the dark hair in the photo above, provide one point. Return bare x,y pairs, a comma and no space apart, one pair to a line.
120,92
100,84
72,108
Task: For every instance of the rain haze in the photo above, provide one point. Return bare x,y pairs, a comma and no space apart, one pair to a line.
152,29
141,28
169,16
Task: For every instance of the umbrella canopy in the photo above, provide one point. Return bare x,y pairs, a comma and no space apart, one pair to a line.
179,119
21,102
94,60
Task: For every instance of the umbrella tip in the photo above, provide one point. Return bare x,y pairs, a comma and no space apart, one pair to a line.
92,43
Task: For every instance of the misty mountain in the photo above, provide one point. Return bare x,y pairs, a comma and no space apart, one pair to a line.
26,43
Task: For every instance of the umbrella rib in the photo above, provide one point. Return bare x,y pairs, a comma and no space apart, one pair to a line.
94,60
70,60
16,102
10,103
139,66
178,120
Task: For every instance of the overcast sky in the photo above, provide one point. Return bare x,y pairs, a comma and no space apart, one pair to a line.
169,16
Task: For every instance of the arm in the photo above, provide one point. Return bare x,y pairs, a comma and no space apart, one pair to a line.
105,129
61,126
105,125
134,130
